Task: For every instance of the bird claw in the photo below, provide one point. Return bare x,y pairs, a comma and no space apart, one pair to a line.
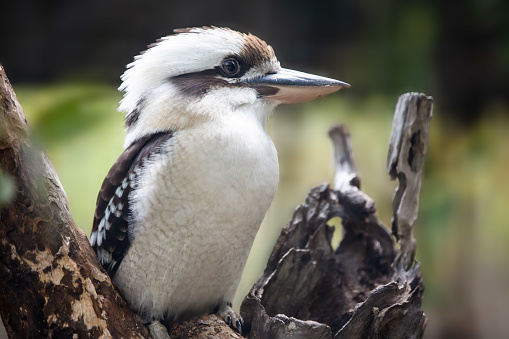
231,318
158,331
240,326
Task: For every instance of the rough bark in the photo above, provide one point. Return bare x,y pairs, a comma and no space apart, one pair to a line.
204,327
52,285
50,280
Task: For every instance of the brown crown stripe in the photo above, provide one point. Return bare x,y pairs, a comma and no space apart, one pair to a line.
256,51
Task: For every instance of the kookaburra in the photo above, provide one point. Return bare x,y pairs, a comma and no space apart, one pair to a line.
178,212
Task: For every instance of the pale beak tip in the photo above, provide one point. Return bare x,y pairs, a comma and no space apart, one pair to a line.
341,84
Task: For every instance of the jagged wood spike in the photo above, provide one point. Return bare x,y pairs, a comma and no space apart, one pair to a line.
405,161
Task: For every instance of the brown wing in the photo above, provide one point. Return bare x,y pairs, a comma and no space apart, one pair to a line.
109,237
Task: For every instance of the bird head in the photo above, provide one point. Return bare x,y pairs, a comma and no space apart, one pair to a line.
208,73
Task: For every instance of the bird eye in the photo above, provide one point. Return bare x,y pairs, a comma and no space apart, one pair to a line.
230,67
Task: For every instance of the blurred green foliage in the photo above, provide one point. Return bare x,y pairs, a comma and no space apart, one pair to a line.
78,126
6,188
462,228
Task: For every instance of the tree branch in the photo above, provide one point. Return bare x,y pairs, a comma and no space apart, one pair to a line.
52,284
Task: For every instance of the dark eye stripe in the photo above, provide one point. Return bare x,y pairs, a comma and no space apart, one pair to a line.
198,83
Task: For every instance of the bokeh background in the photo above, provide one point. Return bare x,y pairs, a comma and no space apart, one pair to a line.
64,59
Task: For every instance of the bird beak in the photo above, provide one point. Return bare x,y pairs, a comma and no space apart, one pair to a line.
289,86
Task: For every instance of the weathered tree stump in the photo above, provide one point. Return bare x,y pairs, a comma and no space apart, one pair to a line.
367,287
53,286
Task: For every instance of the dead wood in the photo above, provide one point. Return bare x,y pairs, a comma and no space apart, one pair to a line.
367,287
52,285
407,150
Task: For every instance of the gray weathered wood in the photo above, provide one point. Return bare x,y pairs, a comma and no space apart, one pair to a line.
405,161
346,171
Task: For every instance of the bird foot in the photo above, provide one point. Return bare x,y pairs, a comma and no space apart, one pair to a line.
231,318
158,331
